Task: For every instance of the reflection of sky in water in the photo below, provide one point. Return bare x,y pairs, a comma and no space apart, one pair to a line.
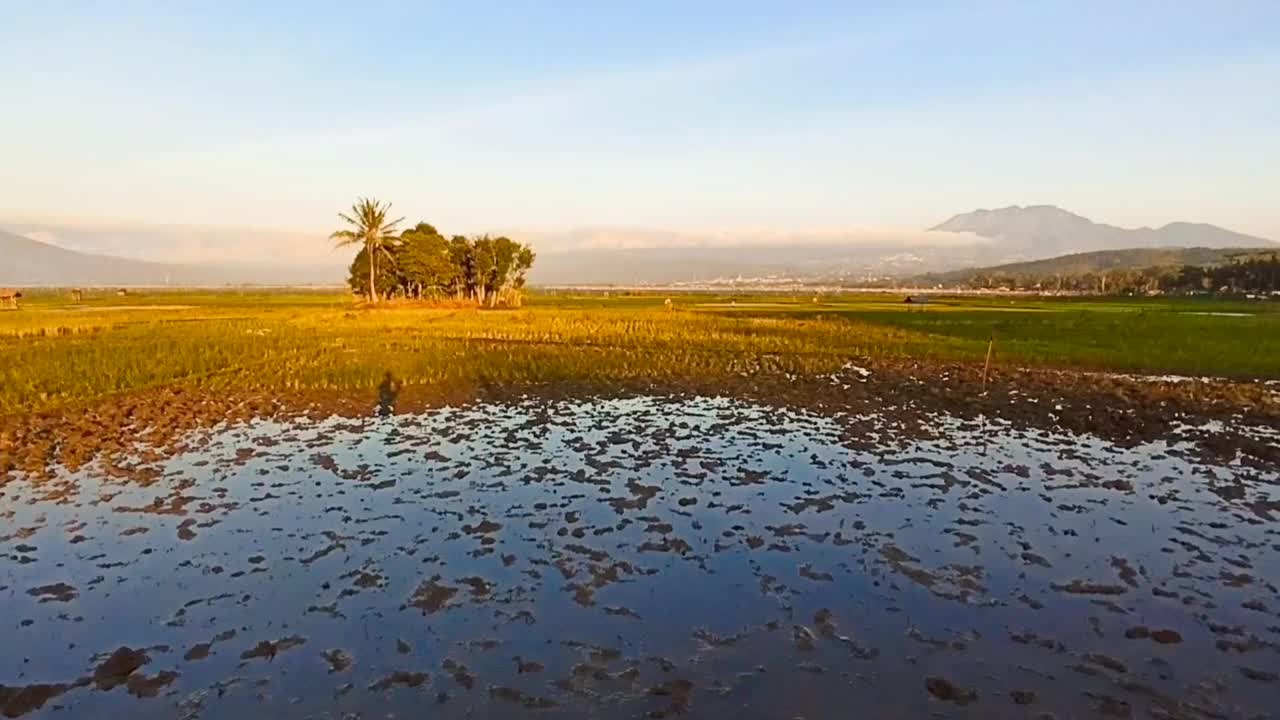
977,506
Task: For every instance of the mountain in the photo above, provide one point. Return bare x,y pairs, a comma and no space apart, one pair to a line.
185,244
621,256
1103,261
1043,231
660,265
28,262
975,239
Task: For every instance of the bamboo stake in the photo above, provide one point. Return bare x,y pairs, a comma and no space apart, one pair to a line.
991,344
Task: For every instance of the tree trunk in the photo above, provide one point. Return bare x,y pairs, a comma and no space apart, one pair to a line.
373,288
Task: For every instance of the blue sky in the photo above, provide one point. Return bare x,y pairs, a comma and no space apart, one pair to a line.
678,115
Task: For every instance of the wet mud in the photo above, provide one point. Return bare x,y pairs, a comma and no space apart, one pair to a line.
646,556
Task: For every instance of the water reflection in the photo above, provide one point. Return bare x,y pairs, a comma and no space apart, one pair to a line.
650,556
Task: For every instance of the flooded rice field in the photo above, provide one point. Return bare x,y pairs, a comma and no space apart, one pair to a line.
644,557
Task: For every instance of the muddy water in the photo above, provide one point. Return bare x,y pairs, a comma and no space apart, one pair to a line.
644,557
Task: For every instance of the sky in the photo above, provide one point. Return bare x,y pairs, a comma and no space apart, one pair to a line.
690,117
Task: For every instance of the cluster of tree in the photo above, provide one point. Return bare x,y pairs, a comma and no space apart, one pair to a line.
421,263
1103,282
1257,274
1254,275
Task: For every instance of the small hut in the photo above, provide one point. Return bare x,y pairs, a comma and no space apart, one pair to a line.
122,292
77,295
9,298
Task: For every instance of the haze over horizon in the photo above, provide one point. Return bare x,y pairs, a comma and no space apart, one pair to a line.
720,119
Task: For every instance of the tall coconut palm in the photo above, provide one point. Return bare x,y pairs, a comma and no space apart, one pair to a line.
370,228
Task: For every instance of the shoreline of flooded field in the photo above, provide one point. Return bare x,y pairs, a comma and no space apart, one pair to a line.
645,556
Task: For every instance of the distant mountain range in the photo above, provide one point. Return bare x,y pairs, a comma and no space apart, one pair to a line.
976,239
1042,231
636,256
27,262
661,265
1103,261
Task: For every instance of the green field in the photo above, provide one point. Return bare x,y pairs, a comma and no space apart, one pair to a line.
56,353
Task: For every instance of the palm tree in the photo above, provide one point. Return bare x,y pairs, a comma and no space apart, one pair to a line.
369,227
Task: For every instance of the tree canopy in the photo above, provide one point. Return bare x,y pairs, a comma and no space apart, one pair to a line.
369,227
422,264
1255,273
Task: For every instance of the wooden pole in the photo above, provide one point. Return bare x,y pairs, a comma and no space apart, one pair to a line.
991,344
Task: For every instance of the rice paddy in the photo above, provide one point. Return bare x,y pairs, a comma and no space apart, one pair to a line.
56,353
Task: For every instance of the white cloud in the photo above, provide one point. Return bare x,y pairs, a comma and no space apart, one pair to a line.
188,244
635,238
47,237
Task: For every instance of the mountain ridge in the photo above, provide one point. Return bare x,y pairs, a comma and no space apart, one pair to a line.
1045,231
29,262
1099,261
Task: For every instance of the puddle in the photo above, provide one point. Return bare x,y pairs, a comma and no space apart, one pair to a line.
644,557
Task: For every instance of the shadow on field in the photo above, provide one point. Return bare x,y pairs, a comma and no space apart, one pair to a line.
388,391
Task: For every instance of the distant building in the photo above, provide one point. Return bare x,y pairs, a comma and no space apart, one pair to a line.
9,298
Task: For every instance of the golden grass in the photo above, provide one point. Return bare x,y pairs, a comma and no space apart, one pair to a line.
52,354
